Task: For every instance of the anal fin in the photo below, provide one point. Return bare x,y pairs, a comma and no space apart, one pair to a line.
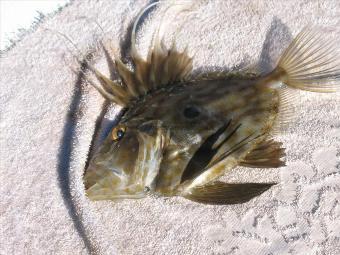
267,154
226,193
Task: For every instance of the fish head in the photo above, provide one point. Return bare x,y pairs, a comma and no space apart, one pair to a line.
127,163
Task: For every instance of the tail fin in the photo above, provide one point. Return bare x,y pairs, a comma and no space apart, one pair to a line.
311,62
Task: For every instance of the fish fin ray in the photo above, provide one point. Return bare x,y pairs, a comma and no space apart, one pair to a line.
233,149
162,66
109,89
288,98
109,59
311,62
226,193
267,154
205,153
128,78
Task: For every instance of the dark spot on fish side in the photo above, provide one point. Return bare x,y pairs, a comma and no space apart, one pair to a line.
191,112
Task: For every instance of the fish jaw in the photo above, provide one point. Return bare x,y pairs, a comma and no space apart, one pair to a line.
110,172
110,186
127,170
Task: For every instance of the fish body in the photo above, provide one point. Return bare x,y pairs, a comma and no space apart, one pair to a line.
193,112
179,133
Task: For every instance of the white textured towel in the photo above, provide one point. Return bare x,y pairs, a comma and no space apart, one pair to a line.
48,118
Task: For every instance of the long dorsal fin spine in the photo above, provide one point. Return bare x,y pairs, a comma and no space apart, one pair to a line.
163,67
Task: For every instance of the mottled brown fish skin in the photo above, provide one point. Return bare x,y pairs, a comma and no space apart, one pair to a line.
250,108
180,133
218,101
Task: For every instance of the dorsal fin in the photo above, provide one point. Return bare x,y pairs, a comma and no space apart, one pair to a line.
165,66
267,154
162,67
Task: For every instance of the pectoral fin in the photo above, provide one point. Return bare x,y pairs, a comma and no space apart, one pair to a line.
267,154
226,193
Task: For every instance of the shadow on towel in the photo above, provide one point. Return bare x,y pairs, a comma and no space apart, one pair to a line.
64,160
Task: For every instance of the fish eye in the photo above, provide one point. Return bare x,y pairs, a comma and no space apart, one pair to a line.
118,133
191,112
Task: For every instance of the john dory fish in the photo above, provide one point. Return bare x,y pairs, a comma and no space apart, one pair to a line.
179,133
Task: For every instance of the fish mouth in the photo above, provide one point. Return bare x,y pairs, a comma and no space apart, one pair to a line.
110,170
104,183
109,187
